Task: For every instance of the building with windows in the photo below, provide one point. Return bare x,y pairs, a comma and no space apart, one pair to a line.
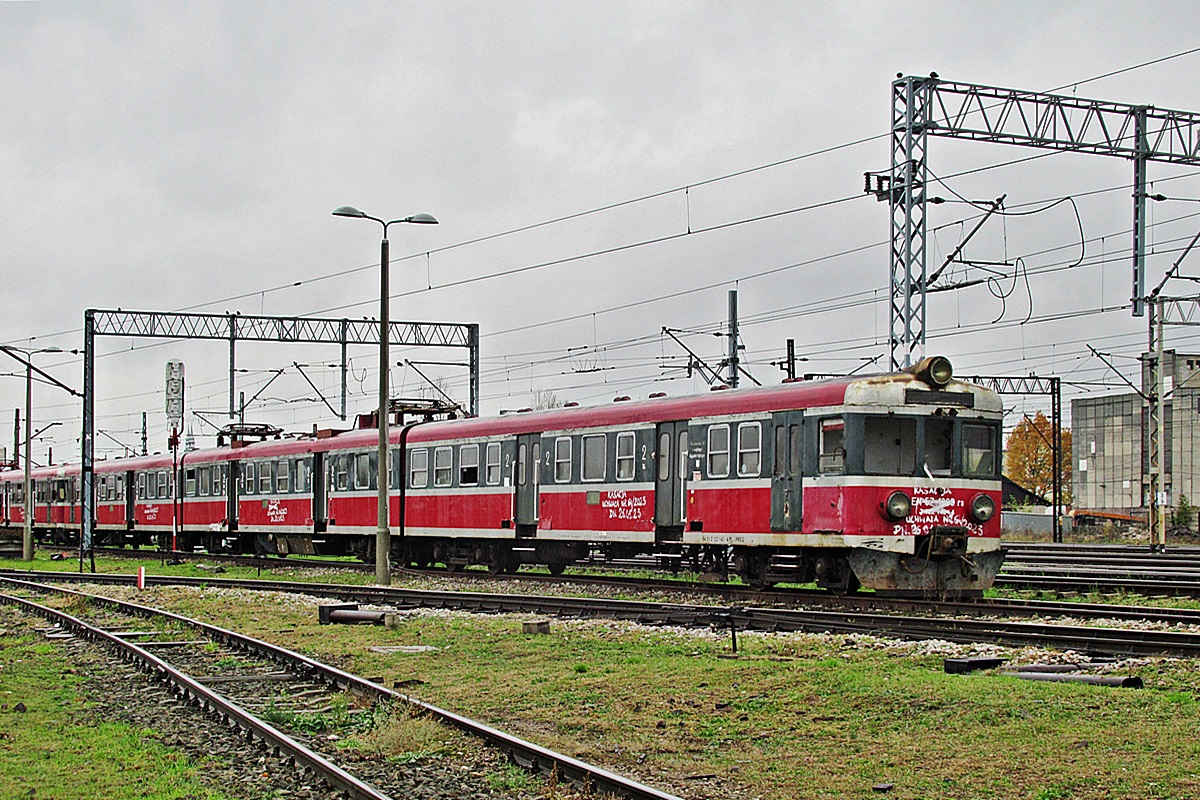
1110,441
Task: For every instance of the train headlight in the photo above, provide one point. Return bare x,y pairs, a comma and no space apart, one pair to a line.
935,371
983,508
897,506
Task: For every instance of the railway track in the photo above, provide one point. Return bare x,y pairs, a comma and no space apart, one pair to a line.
1092,567
1028,566
945,621
241,667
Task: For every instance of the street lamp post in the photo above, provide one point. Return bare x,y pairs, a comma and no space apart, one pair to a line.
27,536
383,533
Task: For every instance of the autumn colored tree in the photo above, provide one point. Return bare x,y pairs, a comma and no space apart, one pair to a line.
1028,457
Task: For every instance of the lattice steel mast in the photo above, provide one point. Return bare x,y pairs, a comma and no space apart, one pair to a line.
929,106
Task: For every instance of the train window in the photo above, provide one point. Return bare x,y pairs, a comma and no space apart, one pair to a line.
781,451
418,469
206,481
521,465
265,478
395,469
189,483
535,463
120,487
939,445
749,449
890,445
304,475
592,468
340,474
493,463
164,484
249,478
468,465
795,449
283,476
141,486
664,456
562,459
443,466
683,462
625,456
979,451
832,460
362,471
718,451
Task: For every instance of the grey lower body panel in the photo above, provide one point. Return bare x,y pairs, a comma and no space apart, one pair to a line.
892,573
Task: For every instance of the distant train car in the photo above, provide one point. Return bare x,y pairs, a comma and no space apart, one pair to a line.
890,482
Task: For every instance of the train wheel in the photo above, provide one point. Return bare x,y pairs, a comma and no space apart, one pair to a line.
557,567
498,560
752,569
836,576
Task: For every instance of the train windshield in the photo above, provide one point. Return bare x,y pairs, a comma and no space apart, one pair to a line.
902,445
979,450
890,445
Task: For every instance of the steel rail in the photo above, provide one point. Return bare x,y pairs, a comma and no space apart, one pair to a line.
262,562
588,777
1067,583
639,610
1089,638
1112,641
196,693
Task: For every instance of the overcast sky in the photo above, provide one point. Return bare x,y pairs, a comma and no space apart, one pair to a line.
187,156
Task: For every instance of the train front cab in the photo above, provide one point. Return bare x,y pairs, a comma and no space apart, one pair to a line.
919,484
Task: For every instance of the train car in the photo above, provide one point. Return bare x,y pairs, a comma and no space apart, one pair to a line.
890,482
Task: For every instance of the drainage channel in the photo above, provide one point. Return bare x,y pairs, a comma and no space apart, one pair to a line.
269,664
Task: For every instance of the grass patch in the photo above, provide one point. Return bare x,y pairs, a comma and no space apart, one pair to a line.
405,736
337,719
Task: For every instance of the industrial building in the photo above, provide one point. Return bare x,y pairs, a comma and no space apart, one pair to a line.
1110,441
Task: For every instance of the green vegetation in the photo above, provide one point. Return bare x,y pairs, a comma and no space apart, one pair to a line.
791,716
52,746
338,718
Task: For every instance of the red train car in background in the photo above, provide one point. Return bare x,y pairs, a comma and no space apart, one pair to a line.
890,482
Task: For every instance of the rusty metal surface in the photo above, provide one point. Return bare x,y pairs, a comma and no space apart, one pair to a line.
938,577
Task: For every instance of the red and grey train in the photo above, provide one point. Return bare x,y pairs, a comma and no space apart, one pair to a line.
890,482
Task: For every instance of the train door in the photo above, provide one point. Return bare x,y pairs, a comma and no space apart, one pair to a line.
320,493
528,478
670,475
130,490
788,436
233,478
58,501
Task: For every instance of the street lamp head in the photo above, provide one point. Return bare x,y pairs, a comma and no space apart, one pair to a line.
420,219
348,211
